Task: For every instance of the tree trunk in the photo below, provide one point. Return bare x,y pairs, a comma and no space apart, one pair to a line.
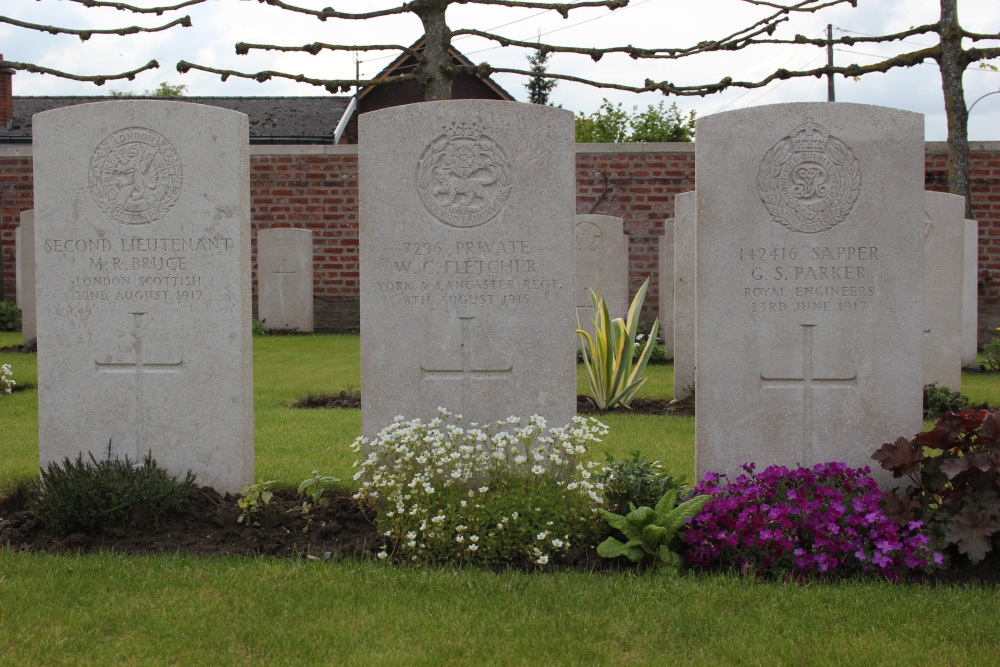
434,69
953,62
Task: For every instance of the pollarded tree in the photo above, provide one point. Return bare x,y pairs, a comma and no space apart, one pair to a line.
436,69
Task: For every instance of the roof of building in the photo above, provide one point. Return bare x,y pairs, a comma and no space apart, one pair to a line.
282,118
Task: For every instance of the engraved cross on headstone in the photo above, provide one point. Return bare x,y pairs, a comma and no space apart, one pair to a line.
809,382
139,368
466,372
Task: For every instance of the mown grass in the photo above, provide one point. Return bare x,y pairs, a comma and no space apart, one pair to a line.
108,609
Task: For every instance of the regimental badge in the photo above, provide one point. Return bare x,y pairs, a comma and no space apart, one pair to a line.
810,180
135,176
464,177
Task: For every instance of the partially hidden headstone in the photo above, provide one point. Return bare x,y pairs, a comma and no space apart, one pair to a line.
685,270
467,252
285,279
142,244
666,264
970,296
810,257
26,291
18,262
601,265
944,256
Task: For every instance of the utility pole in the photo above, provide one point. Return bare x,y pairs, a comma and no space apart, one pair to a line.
830,96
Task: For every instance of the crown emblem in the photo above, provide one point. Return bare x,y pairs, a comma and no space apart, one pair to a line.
809,137
464,129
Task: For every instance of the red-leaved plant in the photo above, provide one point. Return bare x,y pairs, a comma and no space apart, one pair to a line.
955,473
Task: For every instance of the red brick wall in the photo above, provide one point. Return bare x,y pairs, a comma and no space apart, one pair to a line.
315,187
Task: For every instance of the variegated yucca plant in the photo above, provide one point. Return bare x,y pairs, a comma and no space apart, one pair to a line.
614,378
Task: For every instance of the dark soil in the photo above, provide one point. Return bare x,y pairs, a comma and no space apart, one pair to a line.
350,398
209,526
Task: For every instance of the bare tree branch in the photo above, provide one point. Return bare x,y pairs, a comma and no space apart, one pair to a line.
334,86
159,11
99,79
243,48
328,13
563,8
84,35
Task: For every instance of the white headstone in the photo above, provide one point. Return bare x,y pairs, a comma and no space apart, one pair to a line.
810,245
666,262
944,256
285,279
602,265
970,296
28,298
18,261
143,264
685,270
467,253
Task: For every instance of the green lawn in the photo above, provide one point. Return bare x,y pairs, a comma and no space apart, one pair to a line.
106,609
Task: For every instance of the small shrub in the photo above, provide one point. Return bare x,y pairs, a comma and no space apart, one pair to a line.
257,328
991,355
10,316
7,383
83,496
820,522
658,355
954,470
311,489
650,532
635,481
493,495
941,400
254,497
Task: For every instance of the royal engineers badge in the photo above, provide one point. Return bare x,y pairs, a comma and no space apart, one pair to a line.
810,180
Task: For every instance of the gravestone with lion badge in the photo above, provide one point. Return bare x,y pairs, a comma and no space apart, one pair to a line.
467,262
810,259
142,239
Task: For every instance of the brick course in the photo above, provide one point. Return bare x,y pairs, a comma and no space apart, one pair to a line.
316,187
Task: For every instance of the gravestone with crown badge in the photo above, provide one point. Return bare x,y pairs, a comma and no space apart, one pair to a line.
467,262
810,256
601,265
142,245
285,279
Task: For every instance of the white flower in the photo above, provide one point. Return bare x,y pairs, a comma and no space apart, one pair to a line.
484,489
542,535
460,538
542,560
473,547
557,543
382,555
473,538
463,503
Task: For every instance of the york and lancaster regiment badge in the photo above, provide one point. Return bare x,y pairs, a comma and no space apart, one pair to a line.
810,180
135,176
464,177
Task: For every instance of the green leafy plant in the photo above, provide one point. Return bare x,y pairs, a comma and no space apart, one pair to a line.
991,355
649,531
83,496
635,481
612,375
257,328
10,316
502,494
254,498
312,489
954,474
659,354
941,400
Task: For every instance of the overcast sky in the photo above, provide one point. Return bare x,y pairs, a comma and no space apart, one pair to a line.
219,24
